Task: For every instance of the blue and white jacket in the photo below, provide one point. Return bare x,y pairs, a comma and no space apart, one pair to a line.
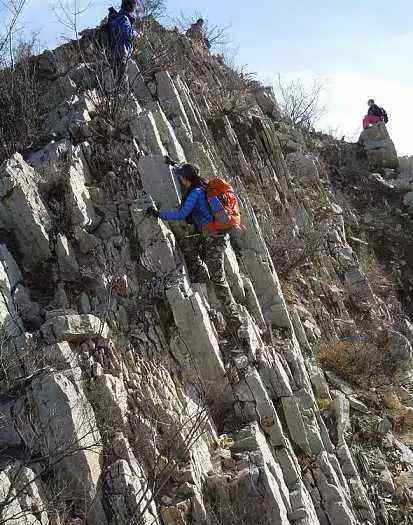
121,32
195,208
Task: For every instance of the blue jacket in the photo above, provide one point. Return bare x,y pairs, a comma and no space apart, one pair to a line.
121,33
195,208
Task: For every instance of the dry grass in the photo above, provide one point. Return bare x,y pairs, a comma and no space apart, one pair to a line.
363,363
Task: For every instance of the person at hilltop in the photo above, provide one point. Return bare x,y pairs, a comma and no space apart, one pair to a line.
205,250
374,115
121,37
197,33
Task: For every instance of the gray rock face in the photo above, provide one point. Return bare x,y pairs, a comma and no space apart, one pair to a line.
304,167
400,349
144,129
73,328
380,149
159,182
66,421
128,374
201,345
22,210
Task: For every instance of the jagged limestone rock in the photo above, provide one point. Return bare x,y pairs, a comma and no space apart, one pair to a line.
78,202
341,408
73,328
197,155
111,401
159,181
254,403
53,161
159,251
170,100
144,130
263,476
274,375
30,494
295,423
72,117
71,437
195,119
303,167
380,149
22,210
233,275
66,258
202,344
252,303
11,326
28,310
167,134
400,349
137,84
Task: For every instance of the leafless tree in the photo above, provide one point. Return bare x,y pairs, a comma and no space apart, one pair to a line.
300,102
10,12
154,8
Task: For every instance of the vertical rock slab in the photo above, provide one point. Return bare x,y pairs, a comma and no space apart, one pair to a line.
256,262
69,435
167,134
254,404
171,101
78,201
233,275
200,339
144,130
137,84
159,181
22,210
257,493
160,254
11,326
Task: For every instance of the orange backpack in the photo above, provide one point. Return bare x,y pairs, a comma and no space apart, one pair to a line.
224,206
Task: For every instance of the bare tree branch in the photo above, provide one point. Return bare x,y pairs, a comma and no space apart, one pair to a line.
301,103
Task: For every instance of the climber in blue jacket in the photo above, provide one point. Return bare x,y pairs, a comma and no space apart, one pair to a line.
121,37
204,252
195,208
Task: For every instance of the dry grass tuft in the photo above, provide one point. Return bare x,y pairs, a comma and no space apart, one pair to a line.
363,363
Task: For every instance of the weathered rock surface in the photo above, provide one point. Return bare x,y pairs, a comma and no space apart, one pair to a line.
123,396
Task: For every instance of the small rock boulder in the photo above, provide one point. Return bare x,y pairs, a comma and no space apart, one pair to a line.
73,328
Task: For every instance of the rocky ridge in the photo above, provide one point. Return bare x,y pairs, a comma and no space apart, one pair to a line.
120,400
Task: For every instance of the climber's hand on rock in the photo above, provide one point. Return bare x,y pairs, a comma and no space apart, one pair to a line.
169,161
152,212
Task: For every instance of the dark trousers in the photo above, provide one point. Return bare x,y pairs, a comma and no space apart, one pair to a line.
204,256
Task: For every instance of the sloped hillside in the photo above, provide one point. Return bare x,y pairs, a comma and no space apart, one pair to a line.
121,400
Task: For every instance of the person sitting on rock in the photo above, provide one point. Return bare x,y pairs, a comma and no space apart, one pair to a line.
196,33
374,115
121,37
206,247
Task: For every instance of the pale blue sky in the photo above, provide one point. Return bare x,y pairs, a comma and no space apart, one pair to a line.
363,48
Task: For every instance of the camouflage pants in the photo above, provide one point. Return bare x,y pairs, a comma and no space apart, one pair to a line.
205,254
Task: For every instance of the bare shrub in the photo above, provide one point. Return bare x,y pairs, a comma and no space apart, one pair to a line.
154,8
363,362
20,109
301,103
233,97
10,12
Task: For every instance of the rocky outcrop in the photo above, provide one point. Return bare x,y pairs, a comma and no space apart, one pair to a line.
122,399
380,149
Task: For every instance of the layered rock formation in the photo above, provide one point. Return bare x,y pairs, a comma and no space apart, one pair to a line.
120,401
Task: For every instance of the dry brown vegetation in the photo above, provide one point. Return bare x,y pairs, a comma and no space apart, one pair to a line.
363,363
